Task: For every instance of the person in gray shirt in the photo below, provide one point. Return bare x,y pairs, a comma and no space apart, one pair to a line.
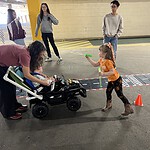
46,19
112,26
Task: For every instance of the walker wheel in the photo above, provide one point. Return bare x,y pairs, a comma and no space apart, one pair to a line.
40,110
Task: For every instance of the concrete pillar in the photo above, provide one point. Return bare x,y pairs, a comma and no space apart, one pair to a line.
34,10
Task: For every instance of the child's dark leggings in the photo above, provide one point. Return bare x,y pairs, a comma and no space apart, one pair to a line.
117,85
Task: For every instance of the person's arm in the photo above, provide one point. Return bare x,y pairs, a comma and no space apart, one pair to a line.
26,73
109,73
120,29
53,19
103,27
9,32
20,28
47,77
37,25
92,62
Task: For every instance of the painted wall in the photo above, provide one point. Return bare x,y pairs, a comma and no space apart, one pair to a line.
79,19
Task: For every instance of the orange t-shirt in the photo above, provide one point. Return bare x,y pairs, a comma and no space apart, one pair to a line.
106,65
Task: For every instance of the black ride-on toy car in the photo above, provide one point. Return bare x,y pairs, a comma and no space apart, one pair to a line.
61,91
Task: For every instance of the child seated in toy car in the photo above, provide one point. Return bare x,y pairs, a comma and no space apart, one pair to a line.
36,71
59,92
56,83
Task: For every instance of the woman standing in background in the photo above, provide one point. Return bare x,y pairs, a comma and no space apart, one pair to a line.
15,30
45,18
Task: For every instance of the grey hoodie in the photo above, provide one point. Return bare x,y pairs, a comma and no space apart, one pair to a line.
112,25
46,23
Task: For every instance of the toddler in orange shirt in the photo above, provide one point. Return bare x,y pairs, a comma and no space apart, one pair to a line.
107,65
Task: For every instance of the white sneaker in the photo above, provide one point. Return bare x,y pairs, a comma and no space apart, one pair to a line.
60,59
48,59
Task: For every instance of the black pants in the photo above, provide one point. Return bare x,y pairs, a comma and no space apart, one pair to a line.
45,37
117,85
8,101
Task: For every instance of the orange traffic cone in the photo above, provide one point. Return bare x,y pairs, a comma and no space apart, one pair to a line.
138,101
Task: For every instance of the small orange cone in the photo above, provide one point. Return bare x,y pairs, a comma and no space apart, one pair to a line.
138,101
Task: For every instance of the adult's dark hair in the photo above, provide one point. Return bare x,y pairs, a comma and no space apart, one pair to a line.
115,2
35,48
41,11
10,16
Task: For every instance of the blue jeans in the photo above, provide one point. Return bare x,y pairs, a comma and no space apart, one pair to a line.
19,41
113,41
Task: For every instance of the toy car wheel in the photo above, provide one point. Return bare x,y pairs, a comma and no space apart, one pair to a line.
74,104
40,110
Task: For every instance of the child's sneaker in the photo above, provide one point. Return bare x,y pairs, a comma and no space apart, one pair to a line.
48,59
59,59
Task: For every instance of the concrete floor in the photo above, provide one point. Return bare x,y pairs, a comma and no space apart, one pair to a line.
89,128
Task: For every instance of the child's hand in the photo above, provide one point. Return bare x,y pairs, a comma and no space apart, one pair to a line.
52,79
46,82
88,55
101,73
46,76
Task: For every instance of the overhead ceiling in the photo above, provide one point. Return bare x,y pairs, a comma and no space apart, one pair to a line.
12,2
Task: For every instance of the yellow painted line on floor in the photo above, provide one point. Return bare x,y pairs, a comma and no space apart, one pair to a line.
78,44
75,45
71,43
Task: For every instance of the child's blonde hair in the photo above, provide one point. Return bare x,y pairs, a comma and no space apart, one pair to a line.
108,49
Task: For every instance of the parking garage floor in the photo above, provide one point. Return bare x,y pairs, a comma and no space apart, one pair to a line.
88,128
